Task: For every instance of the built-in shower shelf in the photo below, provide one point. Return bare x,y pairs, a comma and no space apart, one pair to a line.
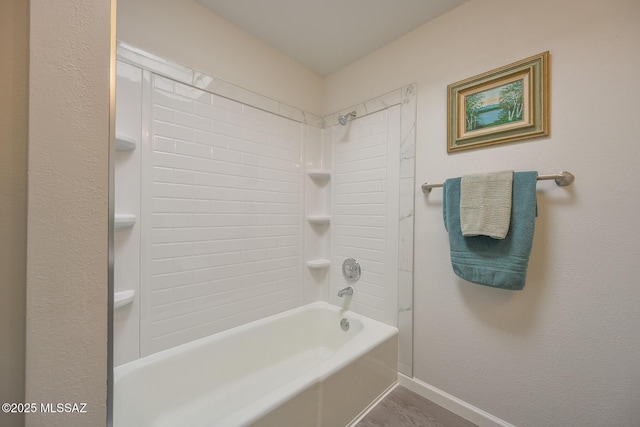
125,143
120,299
124,221
319,219
319,174
318,263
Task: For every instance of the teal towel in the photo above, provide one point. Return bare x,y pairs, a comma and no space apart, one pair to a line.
487,261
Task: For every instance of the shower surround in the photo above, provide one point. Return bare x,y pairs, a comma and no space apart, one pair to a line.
225,213
223,236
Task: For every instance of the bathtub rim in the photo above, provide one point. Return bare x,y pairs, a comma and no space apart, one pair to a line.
122,370
373,334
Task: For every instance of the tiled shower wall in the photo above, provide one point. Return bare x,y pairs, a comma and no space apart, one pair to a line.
373,205
224,202
365,211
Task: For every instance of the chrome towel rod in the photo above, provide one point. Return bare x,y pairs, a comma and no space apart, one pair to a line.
562,179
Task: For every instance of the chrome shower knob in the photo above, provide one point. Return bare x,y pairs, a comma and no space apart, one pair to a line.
351,270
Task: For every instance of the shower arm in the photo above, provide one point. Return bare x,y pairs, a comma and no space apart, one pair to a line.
343,119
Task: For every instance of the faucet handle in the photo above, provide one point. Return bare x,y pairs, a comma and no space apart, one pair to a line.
351,270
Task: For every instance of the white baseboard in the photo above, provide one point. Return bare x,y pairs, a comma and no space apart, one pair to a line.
362,414
452,403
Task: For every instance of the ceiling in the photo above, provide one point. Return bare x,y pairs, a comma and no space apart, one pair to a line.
326,35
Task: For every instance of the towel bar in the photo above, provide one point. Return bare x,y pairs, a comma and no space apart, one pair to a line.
562,179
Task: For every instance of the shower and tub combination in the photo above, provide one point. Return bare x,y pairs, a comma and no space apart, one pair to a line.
261,290
315,365
297,368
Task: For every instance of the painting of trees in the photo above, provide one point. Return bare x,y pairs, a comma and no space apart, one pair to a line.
511,102
473,104
507,104
495,106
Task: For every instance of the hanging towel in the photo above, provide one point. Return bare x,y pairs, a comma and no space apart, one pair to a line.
485,204
491,262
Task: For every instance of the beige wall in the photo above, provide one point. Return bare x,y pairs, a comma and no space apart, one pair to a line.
191,35
565,350
14,37
67,251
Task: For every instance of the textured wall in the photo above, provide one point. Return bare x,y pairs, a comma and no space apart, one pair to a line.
14,33
565,350
67,252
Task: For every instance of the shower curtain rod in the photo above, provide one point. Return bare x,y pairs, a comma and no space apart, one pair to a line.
562,179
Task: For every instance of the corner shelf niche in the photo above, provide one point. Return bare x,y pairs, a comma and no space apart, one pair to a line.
319,189
317,264
120,299
319,219
319,174
124,221
125,143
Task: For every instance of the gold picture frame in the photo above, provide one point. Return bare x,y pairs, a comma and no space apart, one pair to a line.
507,104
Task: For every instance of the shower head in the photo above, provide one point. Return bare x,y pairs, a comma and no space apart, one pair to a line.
343,119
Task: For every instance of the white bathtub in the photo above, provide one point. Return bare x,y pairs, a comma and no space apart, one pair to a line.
297,368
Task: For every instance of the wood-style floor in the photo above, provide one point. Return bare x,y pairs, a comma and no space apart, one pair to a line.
402,407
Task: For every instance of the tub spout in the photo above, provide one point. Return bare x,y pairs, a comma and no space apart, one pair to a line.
346,291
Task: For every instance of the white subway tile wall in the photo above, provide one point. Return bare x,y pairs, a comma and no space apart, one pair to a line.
360,212
225,204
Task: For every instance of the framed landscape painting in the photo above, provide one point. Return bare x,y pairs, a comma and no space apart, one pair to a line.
503,105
